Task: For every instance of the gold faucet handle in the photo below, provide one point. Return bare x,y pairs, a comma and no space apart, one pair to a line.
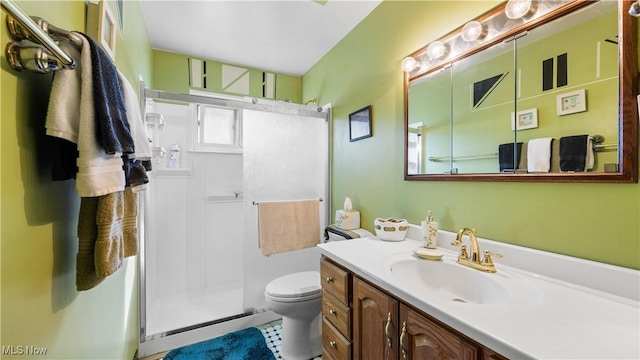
487,257
463,252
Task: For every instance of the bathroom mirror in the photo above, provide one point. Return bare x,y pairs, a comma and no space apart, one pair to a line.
509,87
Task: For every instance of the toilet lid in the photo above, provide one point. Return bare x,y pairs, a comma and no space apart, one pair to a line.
297,285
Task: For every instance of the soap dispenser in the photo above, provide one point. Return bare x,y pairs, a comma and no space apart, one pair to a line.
174,156
429,232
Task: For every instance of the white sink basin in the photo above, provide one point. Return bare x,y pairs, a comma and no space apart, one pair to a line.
452,281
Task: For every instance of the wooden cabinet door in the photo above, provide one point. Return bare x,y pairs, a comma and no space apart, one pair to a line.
488,354
422,338
375,325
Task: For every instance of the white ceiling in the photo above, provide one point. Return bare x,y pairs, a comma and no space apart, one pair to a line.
280,36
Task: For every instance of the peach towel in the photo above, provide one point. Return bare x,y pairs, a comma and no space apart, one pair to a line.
288,225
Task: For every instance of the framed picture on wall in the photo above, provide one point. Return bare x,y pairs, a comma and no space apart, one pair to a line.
526,119
107,29
360,124
571,102
120,11
102,26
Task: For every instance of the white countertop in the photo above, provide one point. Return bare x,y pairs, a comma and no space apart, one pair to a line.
570,309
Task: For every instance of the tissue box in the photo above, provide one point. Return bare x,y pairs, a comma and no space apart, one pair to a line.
347,220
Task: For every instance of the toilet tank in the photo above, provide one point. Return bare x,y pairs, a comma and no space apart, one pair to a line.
334,233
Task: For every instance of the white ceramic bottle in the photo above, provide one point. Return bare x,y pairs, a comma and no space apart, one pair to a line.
431,236
424,226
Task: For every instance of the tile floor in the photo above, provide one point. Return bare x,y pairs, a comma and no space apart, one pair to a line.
272,334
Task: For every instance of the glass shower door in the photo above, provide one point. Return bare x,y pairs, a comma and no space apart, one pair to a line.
285,158
202,272
194,245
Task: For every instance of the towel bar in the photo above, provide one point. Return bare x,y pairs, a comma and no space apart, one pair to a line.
22,27
258,202
597,146
462,157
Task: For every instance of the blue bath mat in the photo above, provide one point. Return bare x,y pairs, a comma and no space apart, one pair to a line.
246,344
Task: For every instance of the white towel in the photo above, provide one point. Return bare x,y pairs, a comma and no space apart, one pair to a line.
136,121
590,158
63,113
539,155
71,116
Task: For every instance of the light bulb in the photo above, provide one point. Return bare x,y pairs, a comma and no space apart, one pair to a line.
473,30
634,10
437,50
516,9
409,63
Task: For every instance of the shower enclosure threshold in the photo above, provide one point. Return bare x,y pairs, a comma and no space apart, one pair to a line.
198,326
197,333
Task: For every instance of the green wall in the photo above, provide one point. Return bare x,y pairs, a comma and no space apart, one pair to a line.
171,73
40,305
591,221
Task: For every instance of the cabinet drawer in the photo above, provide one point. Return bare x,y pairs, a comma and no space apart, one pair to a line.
335,281
337,313
333,343
326,355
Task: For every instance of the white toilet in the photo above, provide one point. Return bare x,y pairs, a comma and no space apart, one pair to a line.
298,298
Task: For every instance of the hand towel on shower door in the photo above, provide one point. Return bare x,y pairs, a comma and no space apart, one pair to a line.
288,225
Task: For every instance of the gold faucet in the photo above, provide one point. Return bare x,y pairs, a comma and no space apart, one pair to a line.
473,260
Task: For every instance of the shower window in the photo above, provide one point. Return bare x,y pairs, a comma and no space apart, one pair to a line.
217,129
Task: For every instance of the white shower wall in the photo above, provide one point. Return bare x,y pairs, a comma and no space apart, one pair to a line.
195,233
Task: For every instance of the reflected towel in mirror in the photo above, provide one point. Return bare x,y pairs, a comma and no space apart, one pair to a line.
576,153
539,155
506,158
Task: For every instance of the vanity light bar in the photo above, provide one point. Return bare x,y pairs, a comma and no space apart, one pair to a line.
473,30
517,9
409,63
497,24
437,50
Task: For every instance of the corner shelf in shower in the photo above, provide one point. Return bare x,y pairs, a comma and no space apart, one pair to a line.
161,169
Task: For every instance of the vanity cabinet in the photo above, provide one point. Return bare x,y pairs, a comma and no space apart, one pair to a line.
422,338
488,354
336,311
363,322
375,323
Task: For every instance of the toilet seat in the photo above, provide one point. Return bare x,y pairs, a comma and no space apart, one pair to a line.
295,287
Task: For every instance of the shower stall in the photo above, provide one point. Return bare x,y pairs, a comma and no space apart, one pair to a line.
201,269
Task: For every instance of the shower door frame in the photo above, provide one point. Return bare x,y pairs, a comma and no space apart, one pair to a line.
150,344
